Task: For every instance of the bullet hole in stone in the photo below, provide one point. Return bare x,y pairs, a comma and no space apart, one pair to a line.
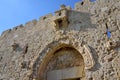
110,59
25,64
98,41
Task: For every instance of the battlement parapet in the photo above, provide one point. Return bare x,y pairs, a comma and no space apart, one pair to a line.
31,23
45,17
17,27
68,8
60,18
6,32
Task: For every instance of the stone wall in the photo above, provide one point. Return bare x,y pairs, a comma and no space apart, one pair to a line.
23,48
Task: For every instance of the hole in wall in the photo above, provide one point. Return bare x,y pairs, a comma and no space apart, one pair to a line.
25,49
82,3
68,22
59,14
79,22
60,23
44,18
15,46
106,26
110,43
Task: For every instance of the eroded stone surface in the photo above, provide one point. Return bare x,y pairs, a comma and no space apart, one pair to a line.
84,25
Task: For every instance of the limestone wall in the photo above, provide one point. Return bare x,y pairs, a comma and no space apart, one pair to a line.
23,48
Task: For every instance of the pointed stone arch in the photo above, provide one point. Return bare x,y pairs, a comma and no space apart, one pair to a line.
45,56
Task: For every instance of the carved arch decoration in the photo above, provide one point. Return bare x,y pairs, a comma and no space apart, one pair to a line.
80,46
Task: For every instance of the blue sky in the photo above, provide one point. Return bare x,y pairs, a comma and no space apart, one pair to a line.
15,12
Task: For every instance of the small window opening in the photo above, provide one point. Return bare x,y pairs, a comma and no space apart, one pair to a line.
60,23
82,3
110,43
59,14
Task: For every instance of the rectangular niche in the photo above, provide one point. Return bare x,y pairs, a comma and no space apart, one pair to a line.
74,73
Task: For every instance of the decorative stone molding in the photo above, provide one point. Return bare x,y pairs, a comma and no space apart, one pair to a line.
88,58
40,63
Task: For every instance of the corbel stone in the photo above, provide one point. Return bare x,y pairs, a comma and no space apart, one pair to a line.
61,19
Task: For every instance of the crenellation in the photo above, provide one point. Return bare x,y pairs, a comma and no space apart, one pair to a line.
18,27
57,45
68,8
48,16
6,32
62,6
31,23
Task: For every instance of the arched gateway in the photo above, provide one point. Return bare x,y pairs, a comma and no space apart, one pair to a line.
62,61
65,63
